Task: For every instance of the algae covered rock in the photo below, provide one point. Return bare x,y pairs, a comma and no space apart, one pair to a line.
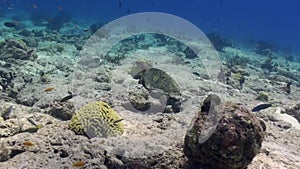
62,110
96,119
233,144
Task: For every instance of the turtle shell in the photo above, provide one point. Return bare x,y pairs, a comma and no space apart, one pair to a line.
153,78
156,79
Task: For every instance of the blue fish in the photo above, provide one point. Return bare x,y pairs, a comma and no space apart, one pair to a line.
262,107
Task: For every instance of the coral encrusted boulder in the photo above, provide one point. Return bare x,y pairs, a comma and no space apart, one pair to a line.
233,144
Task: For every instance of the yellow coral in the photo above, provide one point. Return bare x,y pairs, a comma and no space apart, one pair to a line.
96,119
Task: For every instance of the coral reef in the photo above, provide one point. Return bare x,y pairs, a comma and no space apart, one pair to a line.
235,142
16,49
96,119
37,135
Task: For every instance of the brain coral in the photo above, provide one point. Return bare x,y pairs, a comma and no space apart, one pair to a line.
96,119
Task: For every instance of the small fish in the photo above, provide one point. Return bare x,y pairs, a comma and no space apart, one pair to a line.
120,5
68,97
10,24
118,121
49,89
262,106
35,6
38,126
31,121
78,164
128,11
59,8
102,142
28,143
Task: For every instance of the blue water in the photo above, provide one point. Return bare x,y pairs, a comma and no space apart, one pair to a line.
240,20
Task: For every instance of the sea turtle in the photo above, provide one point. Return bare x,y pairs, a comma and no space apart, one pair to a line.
156,79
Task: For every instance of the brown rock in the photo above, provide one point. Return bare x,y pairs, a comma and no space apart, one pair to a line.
235,141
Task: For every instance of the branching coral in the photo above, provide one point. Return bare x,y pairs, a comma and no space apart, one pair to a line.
96,119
